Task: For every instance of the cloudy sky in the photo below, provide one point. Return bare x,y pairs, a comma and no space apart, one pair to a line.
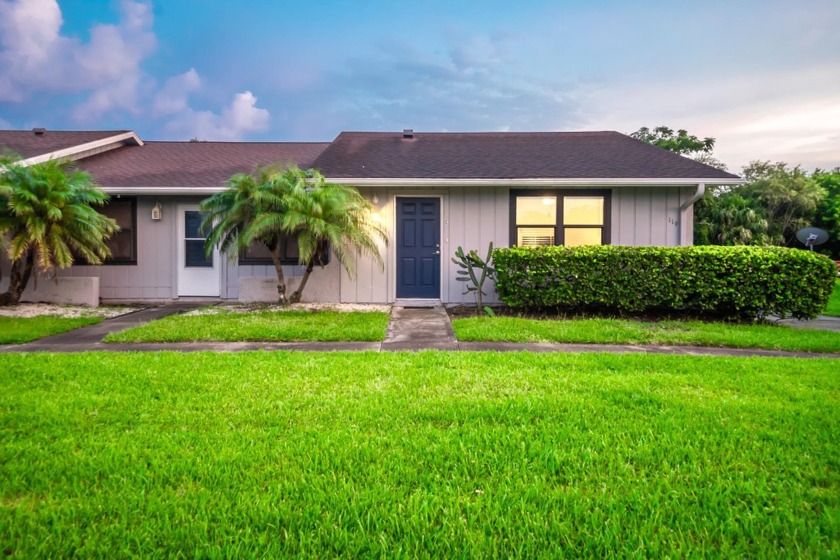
762,77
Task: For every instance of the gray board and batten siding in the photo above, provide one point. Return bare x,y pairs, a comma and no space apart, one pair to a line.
474,217
470,217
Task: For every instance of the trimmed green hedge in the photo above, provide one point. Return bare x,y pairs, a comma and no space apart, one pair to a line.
743,282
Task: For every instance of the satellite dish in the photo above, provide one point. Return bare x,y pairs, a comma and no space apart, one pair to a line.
811,236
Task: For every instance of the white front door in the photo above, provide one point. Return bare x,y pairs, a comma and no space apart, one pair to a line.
198,274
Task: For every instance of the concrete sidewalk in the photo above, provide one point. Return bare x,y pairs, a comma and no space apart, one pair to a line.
90,337
410,329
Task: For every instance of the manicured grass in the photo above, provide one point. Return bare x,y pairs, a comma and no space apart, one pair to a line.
443,455
621,331
833,307
18,330
279,326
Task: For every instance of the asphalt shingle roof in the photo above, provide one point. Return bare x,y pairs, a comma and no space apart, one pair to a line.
505,155
378,155
193,164
28,144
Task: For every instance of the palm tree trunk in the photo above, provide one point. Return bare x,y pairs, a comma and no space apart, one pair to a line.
296,295
281,278
18,279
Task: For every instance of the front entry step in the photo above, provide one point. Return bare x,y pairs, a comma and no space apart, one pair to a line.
416,302
419,328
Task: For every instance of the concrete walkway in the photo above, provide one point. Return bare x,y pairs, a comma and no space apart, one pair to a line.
410,329
821,323
90,337
419,328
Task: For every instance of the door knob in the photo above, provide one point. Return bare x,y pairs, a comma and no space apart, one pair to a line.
437,252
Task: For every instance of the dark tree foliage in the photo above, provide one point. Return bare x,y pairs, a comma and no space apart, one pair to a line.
828,212
774,202
727,218
680,142
788,196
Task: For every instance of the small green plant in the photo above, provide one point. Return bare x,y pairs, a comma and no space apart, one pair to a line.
476,271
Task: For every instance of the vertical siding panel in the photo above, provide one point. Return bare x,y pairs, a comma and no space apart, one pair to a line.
472,219
457,226
615,217
501,226
502,220
658,216
673,219
346,288
687,218
447,271
627,216
106,282
487,218
380,276
231,283
388,214
642,206
169,239
364,267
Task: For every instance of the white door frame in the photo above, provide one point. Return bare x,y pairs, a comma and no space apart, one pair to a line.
199,281
444,242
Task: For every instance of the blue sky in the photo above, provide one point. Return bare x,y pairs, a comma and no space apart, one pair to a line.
763,77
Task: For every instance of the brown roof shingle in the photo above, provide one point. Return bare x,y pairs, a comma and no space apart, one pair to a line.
505,155
193,164
28,144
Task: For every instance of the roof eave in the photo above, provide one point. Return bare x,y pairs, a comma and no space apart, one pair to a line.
164,191
206,191
540,182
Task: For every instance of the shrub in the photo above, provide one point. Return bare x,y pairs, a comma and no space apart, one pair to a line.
743,282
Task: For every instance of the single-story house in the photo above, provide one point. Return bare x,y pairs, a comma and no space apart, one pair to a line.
432,192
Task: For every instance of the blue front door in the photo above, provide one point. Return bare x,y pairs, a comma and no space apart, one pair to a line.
418,248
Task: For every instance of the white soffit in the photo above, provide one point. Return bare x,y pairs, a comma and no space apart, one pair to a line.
124,137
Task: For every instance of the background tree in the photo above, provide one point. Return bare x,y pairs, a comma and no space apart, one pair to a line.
727,218
680,142
272,204
828,211
787,197
773,203
47,219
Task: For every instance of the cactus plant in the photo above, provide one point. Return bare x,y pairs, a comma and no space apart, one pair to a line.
474,270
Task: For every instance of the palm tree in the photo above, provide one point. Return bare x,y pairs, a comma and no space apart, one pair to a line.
230,215
272,204
47,220
729,219
325,215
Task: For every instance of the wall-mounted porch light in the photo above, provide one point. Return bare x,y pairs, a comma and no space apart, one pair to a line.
157,212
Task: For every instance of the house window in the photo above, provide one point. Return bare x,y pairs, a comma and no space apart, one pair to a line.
258,254
560,217
123,244
194,238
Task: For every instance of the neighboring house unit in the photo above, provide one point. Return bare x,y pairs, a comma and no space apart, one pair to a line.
432,192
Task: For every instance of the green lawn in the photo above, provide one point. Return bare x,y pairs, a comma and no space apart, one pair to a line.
278,326
18,330
622,331
833,307
439,455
